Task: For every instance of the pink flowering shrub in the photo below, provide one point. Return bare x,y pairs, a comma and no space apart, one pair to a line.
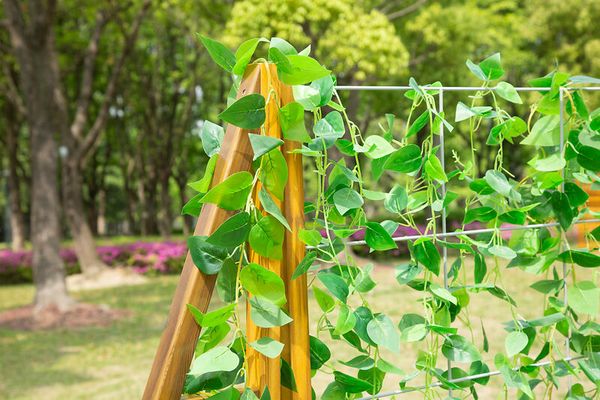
151,258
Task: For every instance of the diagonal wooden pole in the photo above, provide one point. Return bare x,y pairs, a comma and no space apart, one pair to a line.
178,341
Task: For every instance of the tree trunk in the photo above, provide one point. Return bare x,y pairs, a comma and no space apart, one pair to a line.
34,49
17,218
165,219
83,239
101,215
187,221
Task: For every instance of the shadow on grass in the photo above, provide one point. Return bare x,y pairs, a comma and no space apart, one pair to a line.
34,360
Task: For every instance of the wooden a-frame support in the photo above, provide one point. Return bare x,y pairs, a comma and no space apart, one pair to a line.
178,341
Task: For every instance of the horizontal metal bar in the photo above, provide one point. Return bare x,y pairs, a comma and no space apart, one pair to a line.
468,232
461,88
464,379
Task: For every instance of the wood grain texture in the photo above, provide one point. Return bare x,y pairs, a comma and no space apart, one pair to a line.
178,341
264,371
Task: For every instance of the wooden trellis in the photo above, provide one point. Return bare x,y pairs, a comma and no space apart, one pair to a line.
178,341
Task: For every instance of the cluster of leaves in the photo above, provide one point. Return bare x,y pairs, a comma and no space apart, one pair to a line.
550,192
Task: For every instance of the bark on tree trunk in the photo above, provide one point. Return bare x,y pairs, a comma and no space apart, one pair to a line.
34,48
83,238
17,218
165,221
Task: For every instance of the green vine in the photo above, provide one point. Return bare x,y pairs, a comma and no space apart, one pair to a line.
424,190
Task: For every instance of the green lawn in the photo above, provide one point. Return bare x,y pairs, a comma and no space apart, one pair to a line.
113,362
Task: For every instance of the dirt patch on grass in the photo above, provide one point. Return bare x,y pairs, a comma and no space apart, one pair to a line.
80,316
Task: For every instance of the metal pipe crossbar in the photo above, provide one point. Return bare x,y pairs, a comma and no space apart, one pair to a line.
444,234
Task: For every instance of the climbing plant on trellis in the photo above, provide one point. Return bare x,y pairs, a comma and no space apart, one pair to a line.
259,242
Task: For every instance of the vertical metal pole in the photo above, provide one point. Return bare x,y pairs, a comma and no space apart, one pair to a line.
562,234
442,154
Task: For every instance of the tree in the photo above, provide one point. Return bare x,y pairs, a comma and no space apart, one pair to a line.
82,134
32,38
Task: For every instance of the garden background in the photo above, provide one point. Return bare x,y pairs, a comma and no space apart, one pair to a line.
134,88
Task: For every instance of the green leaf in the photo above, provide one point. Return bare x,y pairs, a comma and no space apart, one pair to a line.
210,337
480,268
419,124
262,283
351,384
434,170
375,147
326,87
442,293
458,349
413,328
347,199
219,53
554,162
330,126
319,353
227,281
267,346
382,331
584,298
492,67
407,272
282,45
207,257
233,232
577,196
219,359
304,69
291,119
266,238
272,208
589,158
406,159
325,301
305,264
266,314
497,181
244,54
503,252
562,209
203,185
378,238
213,318
396,200
263,144
515,342
481,214
547,286
274,172
427,254
335,284
287,376
512,378
232,193
193,206
508,92
247,112
581,258
248,394
545,132
212,136
345,322
311,237
307,96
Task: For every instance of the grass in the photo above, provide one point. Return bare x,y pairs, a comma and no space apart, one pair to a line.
113,362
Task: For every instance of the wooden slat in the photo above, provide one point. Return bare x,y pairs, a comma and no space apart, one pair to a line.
297,354
594,205
178,341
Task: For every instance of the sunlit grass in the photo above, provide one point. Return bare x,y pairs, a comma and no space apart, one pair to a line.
113,362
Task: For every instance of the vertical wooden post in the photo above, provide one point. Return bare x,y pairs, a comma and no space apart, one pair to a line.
178,341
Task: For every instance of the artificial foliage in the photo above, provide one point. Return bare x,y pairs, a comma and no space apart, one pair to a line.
563,159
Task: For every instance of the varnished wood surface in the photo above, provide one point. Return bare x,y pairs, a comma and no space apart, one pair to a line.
178,341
